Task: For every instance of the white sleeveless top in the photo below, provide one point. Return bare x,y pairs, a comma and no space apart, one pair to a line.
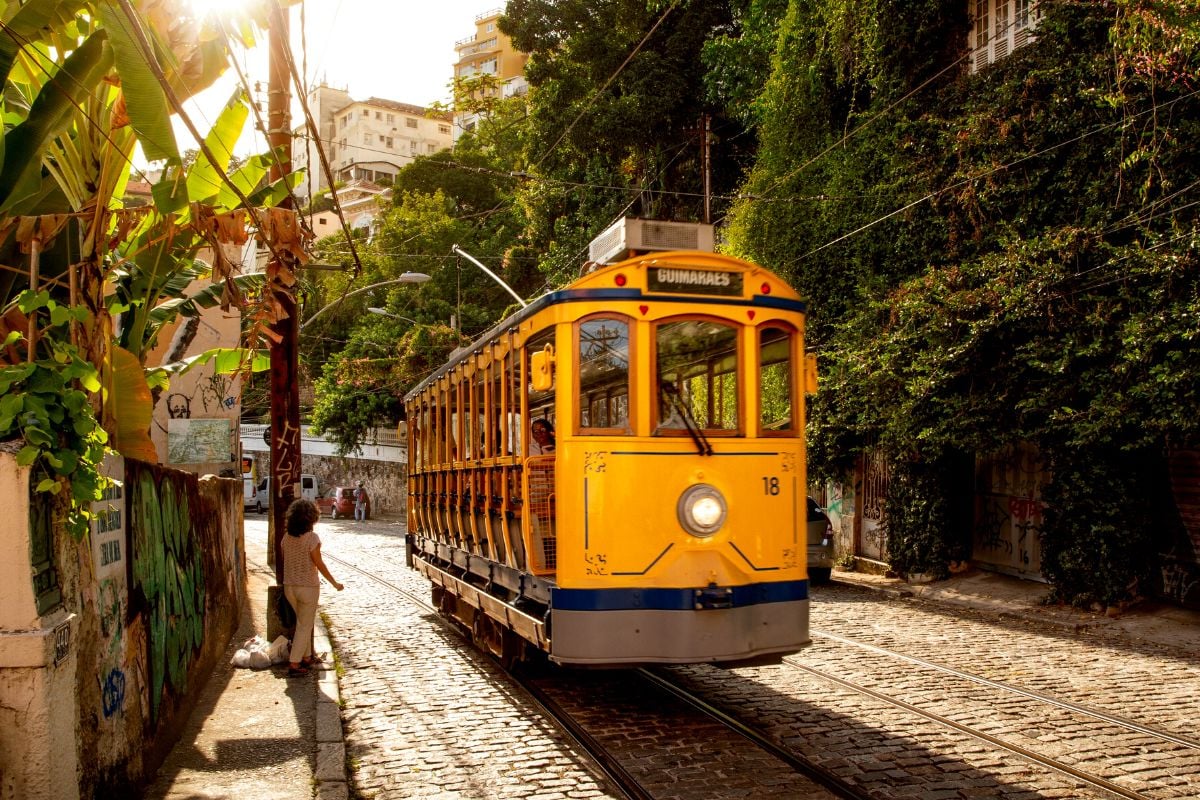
298,567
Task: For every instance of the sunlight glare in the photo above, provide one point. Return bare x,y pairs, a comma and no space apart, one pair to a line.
222,9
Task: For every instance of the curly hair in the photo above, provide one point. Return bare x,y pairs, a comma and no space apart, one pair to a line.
301,515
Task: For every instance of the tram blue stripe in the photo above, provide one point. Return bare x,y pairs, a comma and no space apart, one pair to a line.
671,599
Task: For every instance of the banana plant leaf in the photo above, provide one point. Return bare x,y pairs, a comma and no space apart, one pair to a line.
132,406
203,181
225,361
27,23
209,297
145,101
53,111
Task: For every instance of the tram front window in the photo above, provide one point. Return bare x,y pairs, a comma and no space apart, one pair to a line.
697,367
604,376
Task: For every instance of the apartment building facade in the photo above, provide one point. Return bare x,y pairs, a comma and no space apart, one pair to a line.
365,140
488,51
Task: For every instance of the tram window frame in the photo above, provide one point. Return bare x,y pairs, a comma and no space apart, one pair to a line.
535,403
605,391
739,391
794,379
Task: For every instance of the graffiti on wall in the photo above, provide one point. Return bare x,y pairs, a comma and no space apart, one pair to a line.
109,534
168,577
1008,510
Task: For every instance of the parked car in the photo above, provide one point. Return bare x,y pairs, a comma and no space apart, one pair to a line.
262,497
338,503
820,544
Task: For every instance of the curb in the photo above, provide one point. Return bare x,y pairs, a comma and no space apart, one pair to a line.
330,773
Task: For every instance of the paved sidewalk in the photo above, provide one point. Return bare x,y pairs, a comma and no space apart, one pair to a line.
256,734
1002,594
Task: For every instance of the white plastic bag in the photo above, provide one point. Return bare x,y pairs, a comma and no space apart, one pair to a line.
279,649
259,659
241,658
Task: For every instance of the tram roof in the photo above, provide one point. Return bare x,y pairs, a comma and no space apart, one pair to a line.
597,285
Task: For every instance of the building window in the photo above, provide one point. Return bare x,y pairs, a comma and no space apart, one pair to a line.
366,138
491,26
379,115
412,147
430,148
443,129
391,119
410,122
998,27
390,145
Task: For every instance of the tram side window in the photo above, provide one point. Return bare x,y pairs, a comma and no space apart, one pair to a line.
697,376
539,403
604,375
776,388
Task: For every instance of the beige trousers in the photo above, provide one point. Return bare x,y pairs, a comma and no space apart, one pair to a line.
304,600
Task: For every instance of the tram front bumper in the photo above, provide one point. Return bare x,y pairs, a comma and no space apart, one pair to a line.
650,636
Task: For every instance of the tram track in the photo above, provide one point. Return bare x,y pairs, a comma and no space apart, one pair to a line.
540,689
594,738
1087,775
1077,708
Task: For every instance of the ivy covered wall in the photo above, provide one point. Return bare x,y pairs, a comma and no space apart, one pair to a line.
999,257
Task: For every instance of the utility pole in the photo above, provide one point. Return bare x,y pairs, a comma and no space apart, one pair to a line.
706,161
281,281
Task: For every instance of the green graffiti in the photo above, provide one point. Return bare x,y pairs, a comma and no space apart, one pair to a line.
168,568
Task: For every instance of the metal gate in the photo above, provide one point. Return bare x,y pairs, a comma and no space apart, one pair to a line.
872,538
1179,568
1008,511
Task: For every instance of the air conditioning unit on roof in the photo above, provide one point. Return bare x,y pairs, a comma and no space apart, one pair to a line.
630,235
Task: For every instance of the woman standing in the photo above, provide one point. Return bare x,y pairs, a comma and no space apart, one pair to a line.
301,562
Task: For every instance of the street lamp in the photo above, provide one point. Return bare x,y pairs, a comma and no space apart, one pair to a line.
385,313
407,277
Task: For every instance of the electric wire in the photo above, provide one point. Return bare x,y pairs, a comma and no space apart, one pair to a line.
992,171
321,154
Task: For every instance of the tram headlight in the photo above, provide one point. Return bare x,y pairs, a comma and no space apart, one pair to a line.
701,510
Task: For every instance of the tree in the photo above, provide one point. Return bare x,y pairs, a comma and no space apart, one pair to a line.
615,111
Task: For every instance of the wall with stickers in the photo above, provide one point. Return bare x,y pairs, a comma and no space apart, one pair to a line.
149,603
195,421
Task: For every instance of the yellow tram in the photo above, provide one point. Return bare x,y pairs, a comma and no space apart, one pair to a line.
667,524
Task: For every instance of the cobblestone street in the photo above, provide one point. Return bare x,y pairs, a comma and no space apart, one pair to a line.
427,715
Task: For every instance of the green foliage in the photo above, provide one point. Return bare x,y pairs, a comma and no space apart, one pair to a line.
1097,546
364,386
609,107
45,404
999,257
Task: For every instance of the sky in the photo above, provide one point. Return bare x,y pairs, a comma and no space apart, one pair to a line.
395,49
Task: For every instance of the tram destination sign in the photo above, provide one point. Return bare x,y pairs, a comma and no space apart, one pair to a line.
695,281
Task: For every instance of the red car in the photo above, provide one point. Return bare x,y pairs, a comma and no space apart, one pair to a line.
338,503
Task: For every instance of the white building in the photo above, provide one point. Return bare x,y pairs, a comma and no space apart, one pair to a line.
365,140
489,51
